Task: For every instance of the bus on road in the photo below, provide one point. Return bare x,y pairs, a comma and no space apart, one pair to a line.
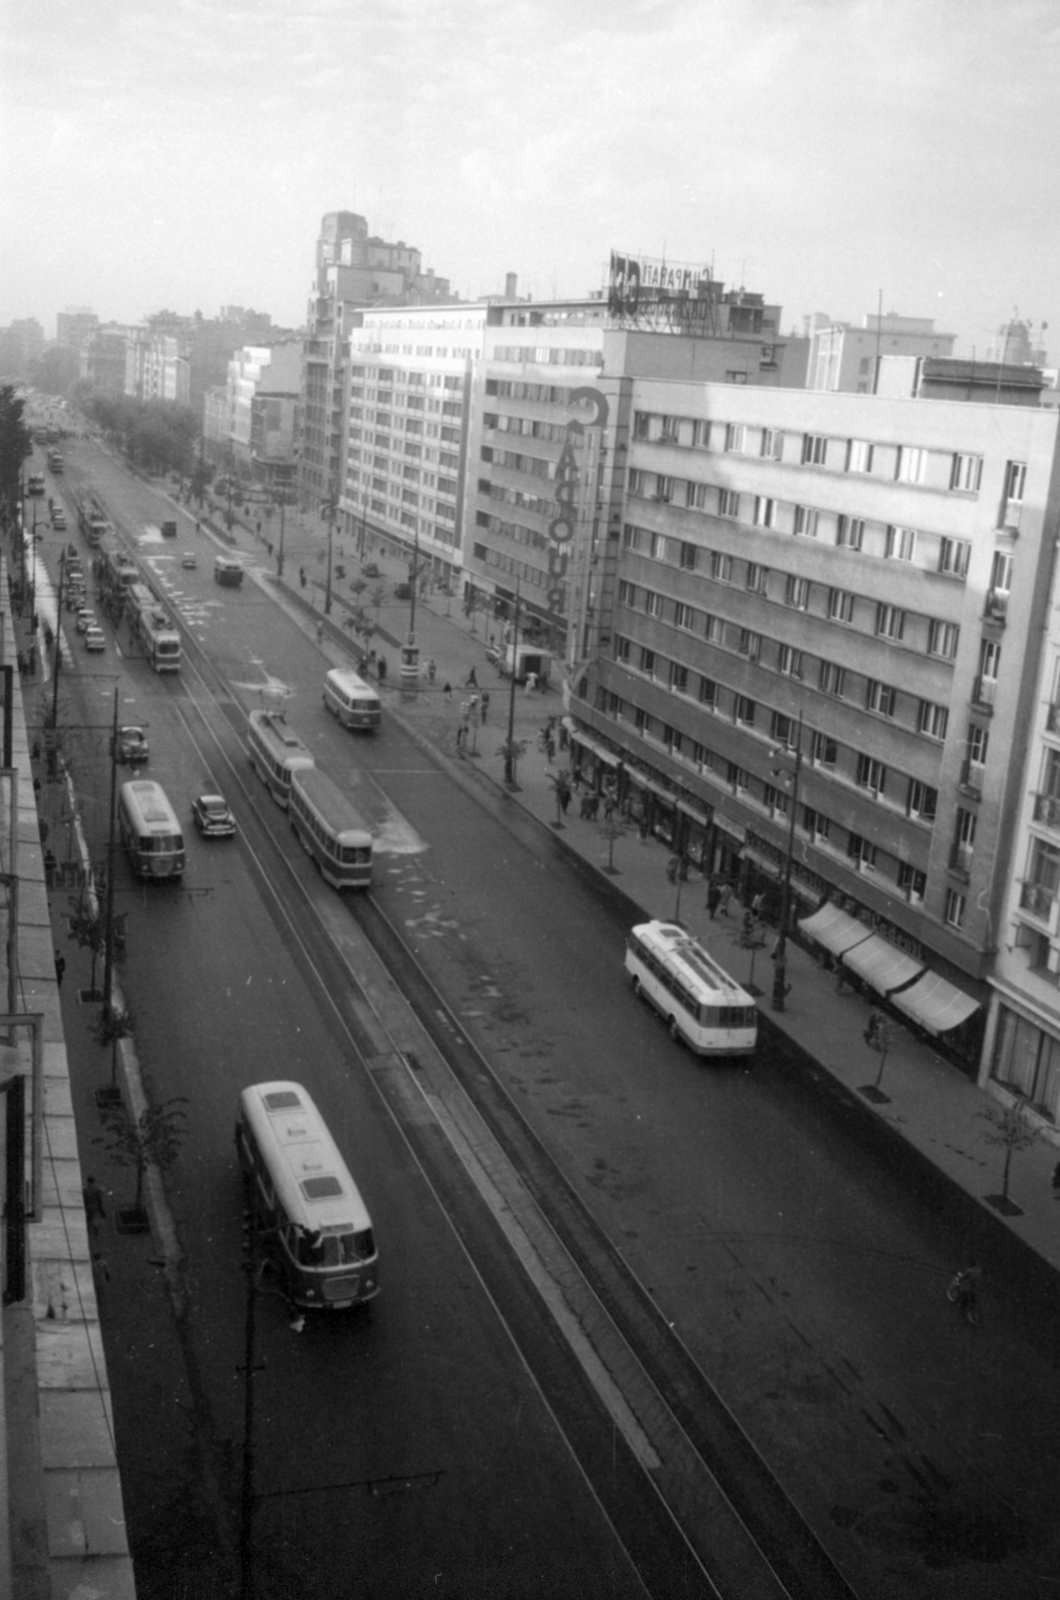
354,702
228,571
276,752
149,830
701,1005
153,628
327,823
305,1205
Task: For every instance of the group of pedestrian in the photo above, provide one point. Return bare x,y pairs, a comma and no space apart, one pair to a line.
719,894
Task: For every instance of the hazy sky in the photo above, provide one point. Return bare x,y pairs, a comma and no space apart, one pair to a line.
181,153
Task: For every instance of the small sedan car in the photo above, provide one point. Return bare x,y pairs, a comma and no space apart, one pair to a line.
95,639
212,816
86,618
133,749
371,570
59,518
189,559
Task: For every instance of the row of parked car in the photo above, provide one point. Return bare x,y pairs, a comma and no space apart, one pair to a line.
210,813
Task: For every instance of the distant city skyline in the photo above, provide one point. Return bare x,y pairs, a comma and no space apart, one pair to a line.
823,155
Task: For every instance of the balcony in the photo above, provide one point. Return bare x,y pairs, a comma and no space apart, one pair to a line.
1047,809
997,606
1010,516
984,693
1038,900
972,774
961,860
1052,719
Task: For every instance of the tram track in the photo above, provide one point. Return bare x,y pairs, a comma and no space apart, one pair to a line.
741,1536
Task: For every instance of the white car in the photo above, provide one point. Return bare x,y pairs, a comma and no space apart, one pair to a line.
86,618
95,639
189,559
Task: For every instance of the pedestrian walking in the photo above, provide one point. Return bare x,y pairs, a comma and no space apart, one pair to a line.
60,967
724,896
447,690
713,898
531,683
431,671
757,905
471,681
484,706
320,633
95,1210
382,669
550,746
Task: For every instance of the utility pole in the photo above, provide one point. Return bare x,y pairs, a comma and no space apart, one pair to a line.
58,643
509,756
108,949
780,985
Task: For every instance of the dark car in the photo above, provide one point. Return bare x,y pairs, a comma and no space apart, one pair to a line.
371,570
133,749
212,816
403,591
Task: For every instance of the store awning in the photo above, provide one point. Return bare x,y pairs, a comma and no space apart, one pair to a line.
882,965
935,1004
835,929
596,749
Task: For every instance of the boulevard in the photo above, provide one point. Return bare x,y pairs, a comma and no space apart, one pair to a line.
419,1444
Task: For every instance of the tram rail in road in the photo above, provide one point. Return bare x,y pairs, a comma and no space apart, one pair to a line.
689,1496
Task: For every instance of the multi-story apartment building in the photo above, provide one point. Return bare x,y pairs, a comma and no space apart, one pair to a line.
21,348
353,271
846,358
409,396
841,592
261,401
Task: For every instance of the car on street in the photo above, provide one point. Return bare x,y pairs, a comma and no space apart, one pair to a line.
371,570
133,749
59,518
95,639
189,559
402,591
86,618
212,816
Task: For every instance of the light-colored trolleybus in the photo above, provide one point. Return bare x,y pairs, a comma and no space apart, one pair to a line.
150,831
354,702
228,571
276,752
700,1004
305,1204
326,821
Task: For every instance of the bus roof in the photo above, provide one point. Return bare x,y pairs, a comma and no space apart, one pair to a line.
333,804
311,1178
150,803
352,682
685,955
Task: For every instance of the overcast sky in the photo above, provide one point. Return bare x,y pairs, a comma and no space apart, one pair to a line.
180,154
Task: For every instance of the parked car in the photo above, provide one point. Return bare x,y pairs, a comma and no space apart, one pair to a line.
371,570
402,591
86,618
189,559
94,639
213,817
133,749
59,518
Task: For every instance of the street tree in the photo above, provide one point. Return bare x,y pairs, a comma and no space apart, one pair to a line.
152,1139
1012,1130
15,445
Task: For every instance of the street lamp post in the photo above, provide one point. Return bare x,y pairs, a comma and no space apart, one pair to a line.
410,651
509,748
283,511
780,983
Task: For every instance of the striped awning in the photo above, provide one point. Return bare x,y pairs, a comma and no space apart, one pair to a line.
882,965
835,929
936,1004
597,750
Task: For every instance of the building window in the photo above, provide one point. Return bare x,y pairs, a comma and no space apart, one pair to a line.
728,503
708,694
912,883
697,496
932,719
772,444
1015,480
871,774
652,603
784,729
756,577
922,801
701,435
711,628
841,605
815,824
688,556
911,464
901,544
789,661
745,711
814,449
954,909
849,533
880,697
720,566
966,473
954,556
859,455
832,679
765,512
890,622
684,616
735,438
630,534
805,523
678,678
647,662
862,853
823,751
621,648
797,592
749,644
664,487
942,639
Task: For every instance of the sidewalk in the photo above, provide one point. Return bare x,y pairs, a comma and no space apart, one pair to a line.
923,1100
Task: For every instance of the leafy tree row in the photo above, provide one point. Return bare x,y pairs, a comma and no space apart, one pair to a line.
156,435
15,445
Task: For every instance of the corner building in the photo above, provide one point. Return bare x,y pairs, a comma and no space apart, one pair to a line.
878,568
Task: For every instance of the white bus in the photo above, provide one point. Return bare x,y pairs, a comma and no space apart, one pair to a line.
150,831
702,1006
354,702
328,824
228,571
303,1200
275,752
